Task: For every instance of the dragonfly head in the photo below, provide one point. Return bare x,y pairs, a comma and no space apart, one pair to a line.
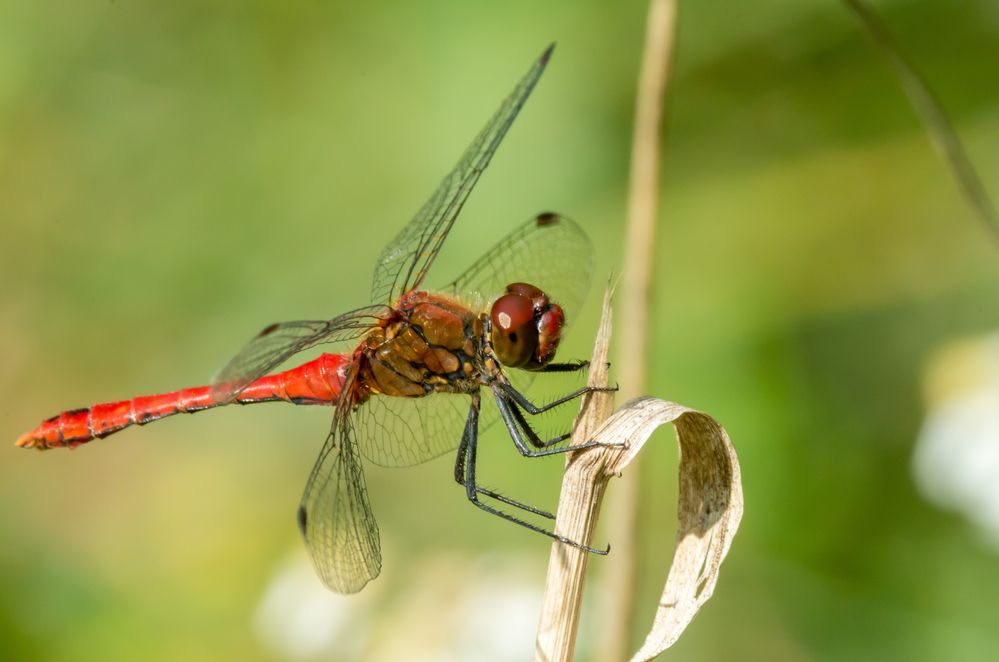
526,327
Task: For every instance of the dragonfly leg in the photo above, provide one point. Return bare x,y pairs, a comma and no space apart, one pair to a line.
472,491
531,435
467,439
569,366
513,502
534,409
459,460
519,429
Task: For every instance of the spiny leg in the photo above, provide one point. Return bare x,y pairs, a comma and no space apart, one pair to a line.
569,366
472,492
468,437
529,432
534,409
459,459
515,421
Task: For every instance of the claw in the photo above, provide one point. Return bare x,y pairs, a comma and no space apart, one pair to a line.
591,550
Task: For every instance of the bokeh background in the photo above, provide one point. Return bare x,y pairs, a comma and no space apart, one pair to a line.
173,176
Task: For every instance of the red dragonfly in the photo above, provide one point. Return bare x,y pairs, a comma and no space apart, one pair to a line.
421,348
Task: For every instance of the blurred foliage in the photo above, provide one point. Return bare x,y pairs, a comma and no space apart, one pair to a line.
175,175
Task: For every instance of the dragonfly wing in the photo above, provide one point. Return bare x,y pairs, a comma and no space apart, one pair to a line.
401,432
549,251
278,342
335,516
404,262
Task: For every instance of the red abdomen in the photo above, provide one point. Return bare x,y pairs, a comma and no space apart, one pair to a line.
317,382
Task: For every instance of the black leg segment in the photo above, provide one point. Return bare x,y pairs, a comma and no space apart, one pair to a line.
511,417
534,409
472,491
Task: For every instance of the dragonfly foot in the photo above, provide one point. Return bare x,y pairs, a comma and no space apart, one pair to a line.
579,545
596,443
610,444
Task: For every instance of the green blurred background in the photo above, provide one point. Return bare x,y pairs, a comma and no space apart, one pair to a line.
174,176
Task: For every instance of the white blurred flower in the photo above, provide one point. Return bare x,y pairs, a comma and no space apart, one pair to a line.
956,458
453,608
299,618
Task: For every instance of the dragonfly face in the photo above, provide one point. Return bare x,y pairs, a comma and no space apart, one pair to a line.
525,327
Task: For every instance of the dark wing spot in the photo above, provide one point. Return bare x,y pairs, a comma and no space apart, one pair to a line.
547,218
303,519
268,330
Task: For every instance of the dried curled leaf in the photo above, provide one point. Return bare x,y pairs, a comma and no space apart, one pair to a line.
709,506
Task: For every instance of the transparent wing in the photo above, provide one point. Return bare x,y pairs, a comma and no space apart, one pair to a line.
335,516
401,432
278,342
404,262
549,251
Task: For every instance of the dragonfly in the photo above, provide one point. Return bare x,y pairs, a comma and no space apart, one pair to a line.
415,369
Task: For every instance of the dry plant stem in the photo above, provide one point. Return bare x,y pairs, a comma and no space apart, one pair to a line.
643,195
583,487
643,209
930,111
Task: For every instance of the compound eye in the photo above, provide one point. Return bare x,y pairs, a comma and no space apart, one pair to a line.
526,290
515,332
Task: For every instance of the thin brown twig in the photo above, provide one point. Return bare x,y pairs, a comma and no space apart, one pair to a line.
583,486
643,209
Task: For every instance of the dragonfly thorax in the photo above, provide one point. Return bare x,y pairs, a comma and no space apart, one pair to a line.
526,327
434,344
